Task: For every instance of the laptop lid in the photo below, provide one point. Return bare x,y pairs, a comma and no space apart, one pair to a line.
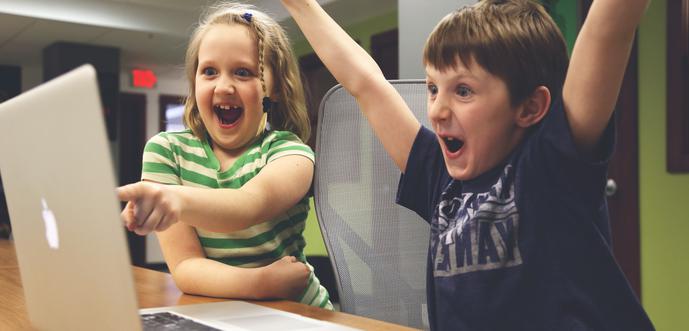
60,189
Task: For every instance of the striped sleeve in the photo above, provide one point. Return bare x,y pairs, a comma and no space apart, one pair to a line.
159,161
315,294
284,143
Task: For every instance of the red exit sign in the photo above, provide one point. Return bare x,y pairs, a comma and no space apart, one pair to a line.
144,78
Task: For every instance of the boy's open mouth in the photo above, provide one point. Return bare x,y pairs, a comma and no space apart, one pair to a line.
453,145
228,115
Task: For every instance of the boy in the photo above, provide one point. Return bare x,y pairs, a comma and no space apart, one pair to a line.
512,178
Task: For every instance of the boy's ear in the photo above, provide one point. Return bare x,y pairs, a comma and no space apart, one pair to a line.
532,110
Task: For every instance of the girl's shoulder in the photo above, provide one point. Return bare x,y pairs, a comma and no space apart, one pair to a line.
277,136
176,136
182,140
284,142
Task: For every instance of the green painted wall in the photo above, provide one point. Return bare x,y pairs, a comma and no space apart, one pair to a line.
564,12
664,197
361,32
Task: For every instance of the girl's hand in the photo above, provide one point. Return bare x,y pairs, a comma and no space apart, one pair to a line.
150,207
285,278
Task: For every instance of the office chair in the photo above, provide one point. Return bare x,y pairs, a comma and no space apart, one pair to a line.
378,249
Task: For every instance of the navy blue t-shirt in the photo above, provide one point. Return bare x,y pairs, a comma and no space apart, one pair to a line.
526,245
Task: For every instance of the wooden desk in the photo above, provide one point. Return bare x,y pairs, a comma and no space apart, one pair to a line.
153,289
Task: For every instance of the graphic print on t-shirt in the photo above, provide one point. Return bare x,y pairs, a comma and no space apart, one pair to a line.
476,231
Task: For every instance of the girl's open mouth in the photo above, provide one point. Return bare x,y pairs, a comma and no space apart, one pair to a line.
228,115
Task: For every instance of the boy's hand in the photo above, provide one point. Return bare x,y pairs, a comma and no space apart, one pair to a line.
285,278
150,207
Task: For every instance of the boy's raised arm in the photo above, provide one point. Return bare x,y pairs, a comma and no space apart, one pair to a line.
597,67
386,111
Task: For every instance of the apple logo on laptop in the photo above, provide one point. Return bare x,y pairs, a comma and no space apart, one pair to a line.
50,226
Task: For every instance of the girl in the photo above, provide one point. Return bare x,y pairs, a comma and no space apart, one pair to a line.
231,215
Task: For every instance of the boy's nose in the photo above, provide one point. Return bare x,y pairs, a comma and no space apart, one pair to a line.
438,110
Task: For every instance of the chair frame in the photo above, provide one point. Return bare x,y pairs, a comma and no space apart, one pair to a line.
339,226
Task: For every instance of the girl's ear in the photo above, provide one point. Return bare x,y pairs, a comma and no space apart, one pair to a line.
532,110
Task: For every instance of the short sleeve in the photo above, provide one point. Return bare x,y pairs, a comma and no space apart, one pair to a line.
424,174
557,132
284,143
552,154
159,163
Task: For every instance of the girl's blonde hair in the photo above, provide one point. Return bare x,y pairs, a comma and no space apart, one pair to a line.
289,113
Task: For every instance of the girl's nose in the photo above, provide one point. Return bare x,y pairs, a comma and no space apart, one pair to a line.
225,86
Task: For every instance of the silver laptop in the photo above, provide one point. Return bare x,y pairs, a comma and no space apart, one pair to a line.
70,242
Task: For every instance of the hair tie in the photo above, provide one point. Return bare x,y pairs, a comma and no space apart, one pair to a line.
267,104
247,17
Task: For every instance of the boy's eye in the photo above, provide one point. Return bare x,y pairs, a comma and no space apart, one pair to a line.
432,89
209,71
243,72
463,91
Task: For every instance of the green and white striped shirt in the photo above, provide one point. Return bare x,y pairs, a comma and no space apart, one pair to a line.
179,158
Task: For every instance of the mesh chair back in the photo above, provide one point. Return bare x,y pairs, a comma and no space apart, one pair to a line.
378,249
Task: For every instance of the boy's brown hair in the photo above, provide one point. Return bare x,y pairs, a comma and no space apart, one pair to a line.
515,40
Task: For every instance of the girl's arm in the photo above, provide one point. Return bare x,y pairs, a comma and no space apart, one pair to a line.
386,111
279,186
195,274
597,67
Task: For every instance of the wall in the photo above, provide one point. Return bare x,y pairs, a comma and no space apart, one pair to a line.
663,196
171,81
32,76
416,21
565,14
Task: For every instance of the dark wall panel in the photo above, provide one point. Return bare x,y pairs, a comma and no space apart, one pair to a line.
61,57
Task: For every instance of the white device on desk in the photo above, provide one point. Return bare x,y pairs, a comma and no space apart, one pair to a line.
69,239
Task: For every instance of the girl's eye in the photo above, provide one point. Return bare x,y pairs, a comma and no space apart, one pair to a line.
432,89
209,72
463,91
243,72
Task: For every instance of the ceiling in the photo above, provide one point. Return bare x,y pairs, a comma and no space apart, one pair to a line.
150,33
